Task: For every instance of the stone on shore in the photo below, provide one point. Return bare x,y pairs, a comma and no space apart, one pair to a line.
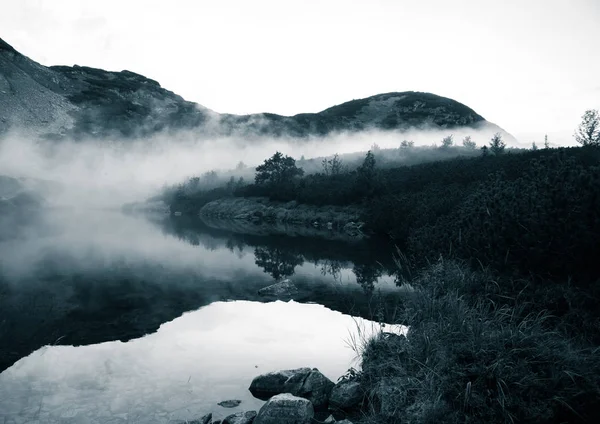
240,418
346,395
285,409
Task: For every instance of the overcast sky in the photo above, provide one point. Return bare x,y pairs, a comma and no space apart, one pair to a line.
530,66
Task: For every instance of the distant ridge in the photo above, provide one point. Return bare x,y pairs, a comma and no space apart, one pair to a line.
80,102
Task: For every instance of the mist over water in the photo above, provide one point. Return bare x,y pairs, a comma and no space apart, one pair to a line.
109,173
91,299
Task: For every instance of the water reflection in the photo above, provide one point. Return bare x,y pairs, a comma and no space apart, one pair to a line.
83,277
277,262
183,370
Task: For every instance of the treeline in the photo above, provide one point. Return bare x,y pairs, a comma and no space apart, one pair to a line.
537,211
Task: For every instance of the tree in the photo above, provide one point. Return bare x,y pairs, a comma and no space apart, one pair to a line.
588,132
332,166
407,144
534,146
485,151
546,144
277,170
496,144
447,141
367,169
468,143
365,176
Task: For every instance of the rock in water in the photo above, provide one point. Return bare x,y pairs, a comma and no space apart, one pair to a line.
284,288
206,419
304,382
288,381
285,409
232,403
346,395
240,418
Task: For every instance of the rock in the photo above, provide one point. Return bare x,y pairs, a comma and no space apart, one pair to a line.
285,409
329,420
232,403
284,288
288,381
345,422
330,226
206,419
304,382
240,418
346,395
316,388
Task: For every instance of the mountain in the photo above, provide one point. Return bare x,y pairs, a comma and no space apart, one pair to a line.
81,102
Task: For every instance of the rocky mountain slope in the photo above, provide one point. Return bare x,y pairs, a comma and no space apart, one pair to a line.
80,102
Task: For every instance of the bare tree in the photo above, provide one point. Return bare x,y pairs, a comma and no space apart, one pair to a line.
333,166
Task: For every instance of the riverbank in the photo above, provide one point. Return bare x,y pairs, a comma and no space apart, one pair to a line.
341,219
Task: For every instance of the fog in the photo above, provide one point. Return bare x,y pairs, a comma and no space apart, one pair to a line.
108,173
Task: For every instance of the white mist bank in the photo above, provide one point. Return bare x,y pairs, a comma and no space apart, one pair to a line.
108,173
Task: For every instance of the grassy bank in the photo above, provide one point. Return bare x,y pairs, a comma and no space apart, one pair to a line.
478,352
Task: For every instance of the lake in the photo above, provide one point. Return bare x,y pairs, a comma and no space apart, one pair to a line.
108,317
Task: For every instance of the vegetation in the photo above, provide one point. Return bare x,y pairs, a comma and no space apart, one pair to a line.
588,132
503,316
476,352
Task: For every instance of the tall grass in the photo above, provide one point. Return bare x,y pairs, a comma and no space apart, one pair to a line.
475,355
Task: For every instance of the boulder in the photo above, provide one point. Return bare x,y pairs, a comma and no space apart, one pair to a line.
329,420
344,422
284,288
232,403
316,388
206,419
304,382
287,381
240,418
346,395
285,409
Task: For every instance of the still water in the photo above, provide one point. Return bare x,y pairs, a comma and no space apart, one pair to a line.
107,317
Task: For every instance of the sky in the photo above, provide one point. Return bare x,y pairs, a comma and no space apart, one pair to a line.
530,66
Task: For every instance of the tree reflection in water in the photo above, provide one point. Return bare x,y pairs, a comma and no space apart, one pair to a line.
277,262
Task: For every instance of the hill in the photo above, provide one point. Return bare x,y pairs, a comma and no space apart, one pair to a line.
81,102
